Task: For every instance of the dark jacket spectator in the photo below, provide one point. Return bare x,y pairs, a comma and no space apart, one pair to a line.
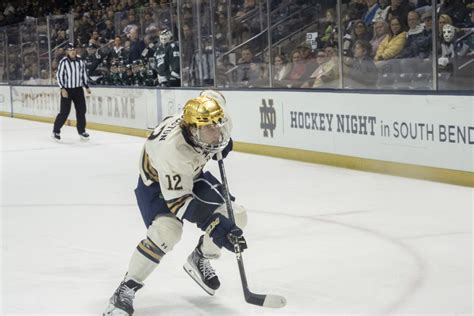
416,35
455,9
108,33
360,71
247,70
136,46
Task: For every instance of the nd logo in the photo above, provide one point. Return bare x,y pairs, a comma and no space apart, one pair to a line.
267,117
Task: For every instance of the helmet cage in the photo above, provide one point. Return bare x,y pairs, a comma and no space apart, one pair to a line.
219,133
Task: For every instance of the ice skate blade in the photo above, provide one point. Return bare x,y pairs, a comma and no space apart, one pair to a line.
56,140
189,270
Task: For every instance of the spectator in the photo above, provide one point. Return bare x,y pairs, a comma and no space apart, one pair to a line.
424,43
247,69
280,67
416,34
380,33
326,75
356,9
454,9
372,8
418,49
382,12
448,48
147,19
108,33
187,49
95,38
329,26
360,71
220,30
296,74
394,43
136,46
131,24
442,21
359,32
399,9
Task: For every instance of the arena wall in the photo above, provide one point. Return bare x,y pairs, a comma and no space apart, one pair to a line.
414,135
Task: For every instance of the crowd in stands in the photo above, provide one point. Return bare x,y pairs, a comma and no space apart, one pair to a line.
380,37
120,40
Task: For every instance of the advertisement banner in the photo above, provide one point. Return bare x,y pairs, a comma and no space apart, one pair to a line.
426,130
135,108
5,105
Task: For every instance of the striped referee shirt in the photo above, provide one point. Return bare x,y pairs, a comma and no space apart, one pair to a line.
72,73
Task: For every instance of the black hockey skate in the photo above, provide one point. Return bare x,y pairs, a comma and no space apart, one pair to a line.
56,137
84,136
121,303
199,268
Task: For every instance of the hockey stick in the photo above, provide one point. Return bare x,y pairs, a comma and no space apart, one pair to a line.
266,300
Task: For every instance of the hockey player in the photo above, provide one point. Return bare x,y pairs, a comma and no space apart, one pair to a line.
172,188
151,78
167,56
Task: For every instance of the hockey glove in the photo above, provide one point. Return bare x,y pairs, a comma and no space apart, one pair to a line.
226,150
225,233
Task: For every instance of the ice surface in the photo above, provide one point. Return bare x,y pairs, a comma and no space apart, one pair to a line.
332,241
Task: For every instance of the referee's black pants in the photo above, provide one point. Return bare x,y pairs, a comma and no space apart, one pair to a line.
75,95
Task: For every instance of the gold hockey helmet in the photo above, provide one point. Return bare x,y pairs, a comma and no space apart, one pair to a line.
202,111
206,123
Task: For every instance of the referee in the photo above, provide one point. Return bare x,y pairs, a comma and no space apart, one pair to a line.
71,77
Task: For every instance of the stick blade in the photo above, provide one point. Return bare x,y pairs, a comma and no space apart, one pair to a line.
274,301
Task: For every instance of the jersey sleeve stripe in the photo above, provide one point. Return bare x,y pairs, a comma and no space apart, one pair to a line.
150,172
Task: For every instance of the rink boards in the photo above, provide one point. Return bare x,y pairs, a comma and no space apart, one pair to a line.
422,136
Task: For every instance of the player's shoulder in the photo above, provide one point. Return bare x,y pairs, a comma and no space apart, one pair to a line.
167,141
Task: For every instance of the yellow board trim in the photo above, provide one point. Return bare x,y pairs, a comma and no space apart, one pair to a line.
95,126
456,177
